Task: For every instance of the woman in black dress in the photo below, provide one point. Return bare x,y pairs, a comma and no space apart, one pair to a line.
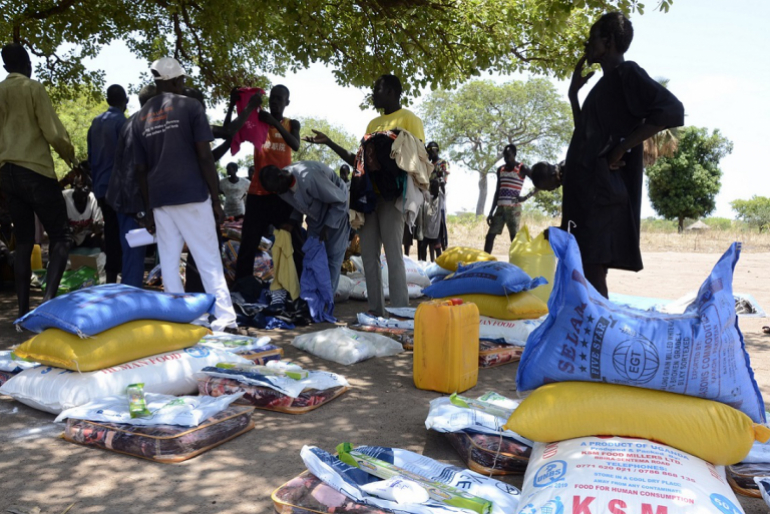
602,179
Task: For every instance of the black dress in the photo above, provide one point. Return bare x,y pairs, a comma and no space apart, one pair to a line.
605,205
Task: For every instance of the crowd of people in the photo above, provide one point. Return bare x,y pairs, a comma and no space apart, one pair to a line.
157,169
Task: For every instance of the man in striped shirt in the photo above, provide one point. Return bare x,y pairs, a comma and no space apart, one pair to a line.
506,205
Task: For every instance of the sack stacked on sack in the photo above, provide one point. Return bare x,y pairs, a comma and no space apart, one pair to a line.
499,289
95,342
648,368
683,381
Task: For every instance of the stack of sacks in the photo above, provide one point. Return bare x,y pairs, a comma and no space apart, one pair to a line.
279,386
256,349
11,364
683,381
97,341
416,278
499,289
172,429
501,292
475,430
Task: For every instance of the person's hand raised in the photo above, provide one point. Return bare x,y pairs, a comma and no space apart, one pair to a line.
255,100
319,138
235,95
266,117
578,80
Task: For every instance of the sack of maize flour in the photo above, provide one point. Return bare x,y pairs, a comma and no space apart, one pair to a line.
615,475
588,338
456,255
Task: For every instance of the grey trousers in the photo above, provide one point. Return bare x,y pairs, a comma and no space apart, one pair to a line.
384,228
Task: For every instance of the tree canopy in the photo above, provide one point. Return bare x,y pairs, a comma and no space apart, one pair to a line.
322,153
755,212
76,114
477,120
436,43
686,184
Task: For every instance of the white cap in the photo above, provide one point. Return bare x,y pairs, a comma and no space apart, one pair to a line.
167,68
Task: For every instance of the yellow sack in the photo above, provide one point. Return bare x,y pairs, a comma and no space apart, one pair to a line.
124,343
462,255
522,305
284,270
710,430
536,258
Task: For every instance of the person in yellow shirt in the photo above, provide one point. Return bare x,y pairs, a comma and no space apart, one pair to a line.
383,227
28,125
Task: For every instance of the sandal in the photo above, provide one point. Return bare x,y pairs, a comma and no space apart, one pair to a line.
766,329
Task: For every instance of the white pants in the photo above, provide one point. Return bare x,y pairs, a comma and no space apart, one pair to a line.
194,224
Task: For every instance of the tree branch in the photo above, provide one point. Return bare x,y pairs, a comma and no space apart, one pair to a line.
56,9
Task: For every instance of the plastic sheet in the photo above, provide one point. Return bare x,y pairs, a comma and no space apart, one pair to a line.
741,477
162,443
269,399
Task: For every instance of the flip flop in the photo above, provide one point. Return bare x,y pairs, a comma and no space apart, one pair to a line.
766,329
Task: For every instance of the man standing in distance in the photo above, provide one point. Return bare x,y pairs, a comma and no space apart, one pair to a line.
506,204
28,125
179,183
384,227
102,144
262,207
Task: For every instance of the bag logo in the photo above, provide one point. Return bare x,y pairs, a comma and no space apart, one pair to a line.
636,360
550,473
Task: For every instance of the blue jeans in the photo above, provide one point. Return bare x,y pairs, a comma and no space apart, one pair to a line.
133,258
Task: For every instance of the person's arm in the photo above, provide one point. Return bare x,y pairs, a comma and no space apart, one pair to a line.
494,198
51,127
322,139
578,81
230,129
219,151
291,137
209,172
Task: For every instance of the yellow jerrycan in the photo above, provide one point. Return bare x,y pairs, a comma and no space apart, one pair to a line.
446,346
536,258
37,258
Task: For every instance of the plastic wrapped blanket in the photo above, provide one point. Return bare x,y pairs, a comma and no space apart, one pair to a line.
266,398
489,454
162,443
348,480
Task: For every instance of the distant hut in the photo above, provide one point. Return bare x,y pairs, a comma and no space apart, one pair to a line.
698,225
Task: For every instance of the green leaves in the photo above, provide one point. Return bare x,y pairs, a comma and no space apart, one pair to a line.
428,43
755,212
685,185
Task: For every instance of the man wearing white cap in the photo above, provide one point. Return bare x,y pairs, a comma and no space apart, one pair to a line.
178,180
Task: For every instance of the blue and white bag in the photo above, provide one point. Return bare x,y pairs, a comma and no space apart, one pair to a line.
486,277
587,338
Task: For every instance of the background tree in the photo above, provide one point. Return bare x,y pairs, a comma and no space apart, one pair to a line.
76,114
685,185
662,144
322,153
435,43
549,202
477,120
755,212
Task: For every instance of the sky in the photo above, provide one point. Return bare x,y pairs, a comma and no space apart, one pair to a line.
703,47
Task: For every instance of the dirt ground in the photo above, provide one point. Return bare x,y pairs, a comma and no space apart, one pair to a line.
38,469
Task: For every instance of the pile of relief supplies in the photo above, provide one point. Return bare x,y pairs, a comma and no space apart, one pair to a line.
511,302
631,410
118,364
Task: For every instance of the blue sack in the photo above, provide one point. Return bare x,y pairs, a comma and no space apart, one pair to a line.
587,338
486,277
90,311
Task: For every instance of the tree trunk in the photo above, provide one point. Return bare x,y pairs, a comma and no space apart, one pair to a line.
482,194
681,224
